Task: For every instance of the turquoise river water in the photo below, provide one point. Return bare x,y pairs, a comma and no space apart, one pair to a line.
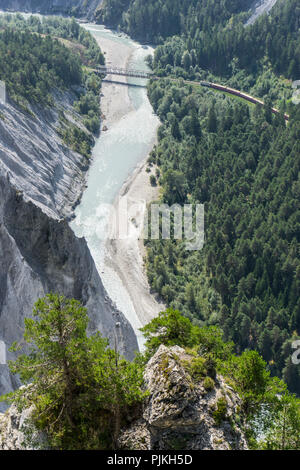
115,156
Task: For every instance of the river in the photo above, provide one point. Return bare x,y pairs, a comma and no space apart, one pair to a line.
131,134
118,167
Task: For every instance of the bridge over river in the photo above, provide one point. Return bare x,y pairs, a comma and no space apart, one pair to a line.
123,72
103,70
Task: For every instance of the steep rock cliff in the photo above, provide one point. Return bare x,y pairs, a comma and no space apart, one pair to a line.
31,152
182,413
39,254
40,181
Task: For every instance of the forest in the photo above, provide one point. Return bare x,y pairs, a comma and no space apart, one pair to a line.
213,32
244,166
242,163
156,20
273,39
32,65
39,55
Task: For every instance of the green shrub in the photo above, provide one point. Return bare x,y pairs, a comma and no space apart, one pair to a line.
210,365
220,413
196,368
169,328
153,180
208,383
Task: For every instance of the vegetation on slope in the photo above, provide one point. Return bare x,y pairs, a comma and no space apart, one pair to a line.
82,392
243,164
244,167
58,27
210,36
32,65
273,39
265,400
38,56
156,20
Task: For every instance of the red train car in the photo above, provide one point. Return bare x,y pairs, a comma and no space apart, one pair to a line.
242,95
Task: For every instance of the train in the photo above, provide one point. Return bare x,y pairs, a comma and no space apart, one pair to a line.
216,86
240,94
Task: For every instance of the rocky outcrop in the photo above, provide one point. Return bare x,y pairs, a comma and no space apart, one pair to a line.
40,182
16,432
182,413
81,8
11,424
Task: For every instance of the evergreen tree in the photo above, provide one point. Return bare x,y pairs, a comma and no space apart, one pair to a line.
175,130
80,390
212,124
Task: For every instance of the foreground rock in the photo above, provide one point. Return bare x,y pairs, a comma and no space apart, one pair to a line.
180,413
12,436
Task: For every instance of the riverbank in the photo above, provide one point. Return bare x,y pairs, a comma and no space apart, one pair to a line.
126,257
115,103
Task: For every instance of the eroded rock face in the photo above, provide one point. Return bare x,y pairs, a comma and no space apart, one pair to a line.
38,255
179,413
40,181
47,172
12,436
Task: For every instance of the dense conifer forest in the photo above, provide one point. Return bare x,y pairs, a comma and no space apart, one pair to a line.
34,60
244,166
238,160
40,55
155,20
32,65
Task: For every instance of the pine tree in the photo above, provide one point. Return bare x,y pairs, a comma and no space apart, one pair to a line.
175,130
80,390
212,124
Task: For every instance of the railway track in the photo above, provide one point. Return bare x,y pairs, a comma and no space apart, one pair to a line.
103,70
240,94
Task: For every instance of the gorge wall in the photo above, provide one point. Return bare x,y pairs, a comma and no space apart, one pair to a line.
31,152
40,182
